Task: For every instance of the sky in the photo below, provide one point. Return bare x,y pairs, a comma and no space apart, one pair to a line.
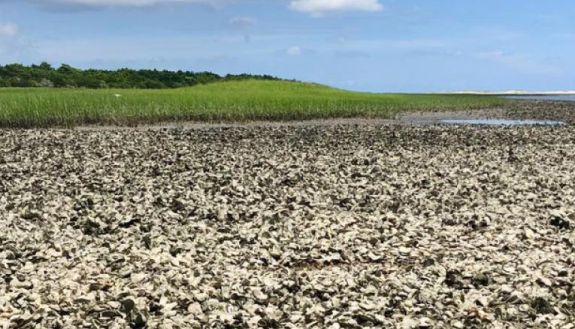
367,45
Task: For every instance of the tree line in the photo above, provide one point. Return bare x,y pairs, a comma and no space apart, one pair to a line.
66,76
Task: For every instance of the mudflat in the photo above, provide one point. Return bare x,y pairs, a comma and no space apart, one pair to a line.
327,226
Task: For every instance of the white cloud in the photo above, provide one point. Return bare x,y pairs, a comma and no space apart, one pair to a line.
314,7
294,51
8,30
14,46
124,3
521,62
319,7
242,22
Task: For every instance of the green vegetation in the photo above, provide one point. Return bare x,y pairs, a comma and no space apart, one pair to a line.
44,75
226,101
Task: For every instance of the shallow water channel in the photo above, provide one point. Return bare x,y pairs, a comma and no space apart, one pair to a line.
502,122
561,98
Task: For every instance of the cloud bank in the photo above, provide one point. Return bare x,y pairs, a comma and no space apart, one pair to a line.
314,7
123,3
318,7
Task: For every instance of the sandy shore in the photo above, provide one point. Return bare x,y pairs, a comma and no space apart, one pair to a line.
289,226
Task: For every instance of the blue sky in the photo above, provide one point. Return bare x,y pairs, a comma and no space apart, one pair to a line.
371,45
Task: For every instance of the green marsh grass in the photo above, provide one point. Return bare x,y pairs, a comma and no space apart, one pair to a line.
218,102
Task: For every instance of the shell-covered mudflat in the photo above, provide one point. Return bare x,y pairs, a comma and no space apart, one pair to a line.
335,226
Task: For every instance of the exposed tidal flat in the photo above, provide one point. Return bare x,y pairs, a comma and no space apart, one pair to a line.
344,225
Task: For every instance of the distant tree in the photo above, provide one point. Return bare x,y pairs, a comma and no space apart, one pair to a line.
66,69
43,66
44,75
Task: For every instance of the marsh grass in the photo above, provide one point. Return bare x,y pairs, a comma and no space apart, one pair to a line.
226,101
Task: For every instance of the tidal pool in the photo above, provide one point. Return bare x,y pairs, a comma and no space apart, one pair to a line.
502,122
